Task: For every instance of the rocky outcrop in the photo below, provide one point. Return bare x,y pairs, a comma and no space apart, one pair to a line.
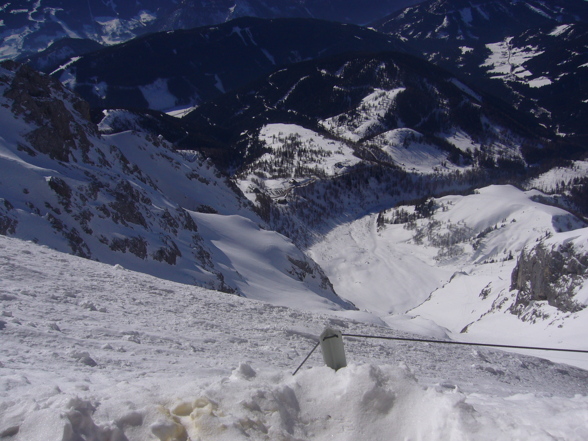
551,273
7,223
93,200
52,109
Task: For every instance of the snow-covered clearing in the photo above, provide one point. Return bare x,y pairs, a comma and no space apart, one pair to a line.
549,181
367,119
94,351
507,61
404,147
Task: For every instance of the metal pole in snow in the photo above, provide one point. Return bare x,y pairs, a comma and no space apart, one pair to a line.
331,342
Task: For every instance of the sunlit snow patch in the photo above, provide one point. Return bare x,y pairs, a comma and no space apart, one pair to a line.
540,82
406,148
549,181
453,268
297,155
366,119
116,30
507,61
180,111
561,29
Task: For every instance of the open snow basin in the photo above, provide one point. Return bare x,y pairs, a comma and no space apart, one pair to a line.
413,288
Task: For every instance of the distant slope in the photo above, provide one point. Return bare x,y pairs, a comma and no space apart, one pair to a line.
535,58
189,67
30,27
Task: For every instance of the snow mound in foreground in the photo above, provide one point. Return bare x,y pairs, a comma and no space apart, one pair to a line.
360,402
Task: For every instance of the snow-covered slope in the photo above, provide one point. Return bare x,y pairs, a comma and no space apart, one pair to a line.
94,351
444,268
130,199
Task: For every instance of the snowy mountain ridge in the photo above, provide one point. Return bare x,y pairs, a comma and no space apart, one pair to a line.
131,199
185,68
28,27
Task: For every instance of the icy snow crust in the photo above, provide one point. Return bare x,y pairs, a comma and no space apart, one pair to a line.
93,351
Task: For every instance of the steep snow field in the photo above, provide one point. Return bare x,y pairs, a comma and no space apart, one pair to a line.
95,351
452,273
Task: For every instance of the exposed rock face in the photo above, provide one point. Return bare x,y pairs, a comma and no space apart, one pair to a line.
7,223
96,202
550,273
44,104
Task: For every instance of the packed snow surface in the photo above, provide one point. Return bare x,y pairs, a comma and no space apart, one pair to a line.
95,351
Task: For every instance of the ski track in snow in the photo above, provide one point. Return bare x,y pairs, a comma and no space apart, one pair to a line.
92,351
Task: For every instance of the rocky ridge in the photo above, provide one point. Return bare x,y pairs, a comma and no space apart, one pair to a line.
550,272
